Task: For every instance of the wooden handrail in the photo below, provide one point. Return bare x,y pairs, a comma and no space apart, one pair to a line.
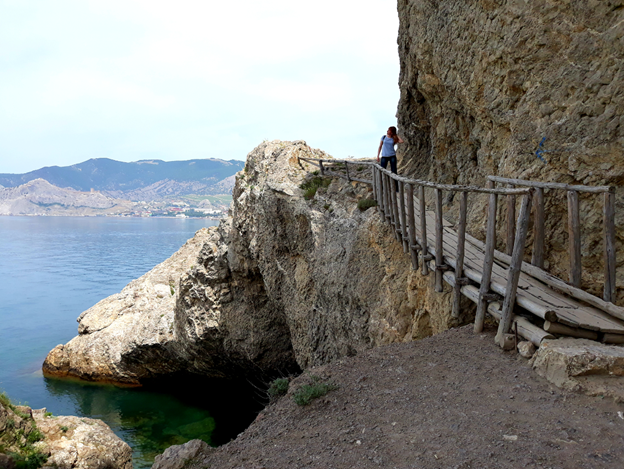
552,185
400,215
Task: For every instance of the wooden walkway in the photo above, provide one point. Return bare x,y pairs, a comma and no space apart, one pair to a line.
464,261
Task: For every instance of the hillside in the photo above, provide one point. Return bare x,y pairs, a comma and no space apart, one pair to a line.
39,197
141,180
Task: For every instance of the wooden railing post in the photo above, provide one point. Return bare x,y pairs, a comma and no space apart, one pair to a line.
321,168
412,226
574,238
395,209
426,257
387,202
511,222
490,246
461,246
513,275
374,183
439,243
537,258
404,235
609,245
347,171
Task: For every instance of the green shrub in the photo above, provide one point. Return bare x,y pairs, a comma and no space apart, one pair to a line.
34,436
64,428
278,388
310,186
4,400
308,392
365,204
48,414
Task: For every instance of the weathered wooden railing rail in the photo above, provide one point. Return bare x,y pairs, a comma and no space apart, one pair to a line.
574,227
401,215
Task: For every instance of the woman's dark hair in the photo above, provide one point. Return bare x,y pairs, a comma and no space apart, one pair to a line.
393,131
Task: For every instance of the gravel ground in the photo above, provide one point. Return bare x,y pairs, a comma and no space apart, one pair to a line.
454,400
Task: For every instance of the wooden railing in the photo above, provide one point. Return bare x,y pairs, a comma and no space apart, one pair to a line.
400,213
574,228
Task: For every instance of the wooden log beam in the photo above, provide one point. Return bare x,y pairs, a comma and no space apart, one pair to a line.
609,246
423,229
461,247
537,258
556,328
514,269
490,246
511,223
552,281
551,185
526,329
613,338
439,243
409,190
404,235
574,238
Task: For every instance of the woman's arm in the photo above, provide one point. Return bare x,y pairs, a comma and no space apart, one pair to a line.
379,150
400,139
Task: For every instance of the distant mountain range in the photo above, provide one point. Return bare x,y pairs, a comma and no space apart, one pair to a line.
140,180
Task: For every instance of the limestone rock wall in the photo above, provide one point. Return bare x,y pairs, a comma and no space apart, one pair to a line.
285,282
484,81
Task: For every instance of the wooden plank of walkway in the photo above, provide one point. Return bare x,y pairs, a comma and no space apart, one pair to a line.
548,303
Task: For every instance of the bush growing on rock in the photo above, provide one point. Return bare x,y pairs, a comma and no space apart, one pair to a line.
365,204
311,185
278,388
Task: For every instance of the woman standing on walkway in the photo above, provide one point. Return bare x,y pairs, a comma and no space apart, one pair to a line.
386,148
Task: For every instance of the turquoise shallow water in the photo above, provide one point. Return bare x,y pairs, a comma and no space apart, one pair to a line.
52,269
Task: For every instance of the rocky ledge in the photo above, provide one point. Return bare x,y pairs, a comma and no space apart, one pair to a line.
35,438
285,282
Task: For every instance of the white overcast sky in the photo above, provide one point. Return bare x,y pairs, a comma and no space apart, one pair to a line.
182,79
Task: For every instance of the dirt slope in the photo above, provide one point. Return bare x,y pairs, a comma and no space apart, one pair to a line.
453,400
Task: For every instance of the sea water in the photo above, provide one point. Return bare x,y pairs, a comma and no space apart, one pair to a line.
54,268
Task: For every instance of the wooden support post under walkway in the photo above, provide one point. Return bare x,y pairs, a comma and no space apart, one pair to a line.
514,268
609,246
413,247
537,258
461,245
426,257
488,261
404,235
439,256
574,238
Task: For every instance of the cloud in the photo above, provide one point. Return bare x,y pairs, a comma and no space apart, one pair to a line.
185,79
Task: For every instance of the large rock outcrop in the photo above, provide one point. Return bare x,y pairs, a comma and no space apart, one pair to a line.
283,282
34,438
483,82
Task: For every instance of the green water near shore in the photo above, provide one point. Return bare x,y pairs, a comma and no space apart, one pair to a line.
168,412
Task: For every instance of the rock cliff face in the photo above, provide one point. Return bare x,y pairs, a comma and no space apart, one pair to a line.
283,282
483,82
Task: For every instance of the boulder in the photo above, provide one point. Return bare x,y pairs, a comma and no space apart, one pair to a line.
582,365
180,456
81,443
